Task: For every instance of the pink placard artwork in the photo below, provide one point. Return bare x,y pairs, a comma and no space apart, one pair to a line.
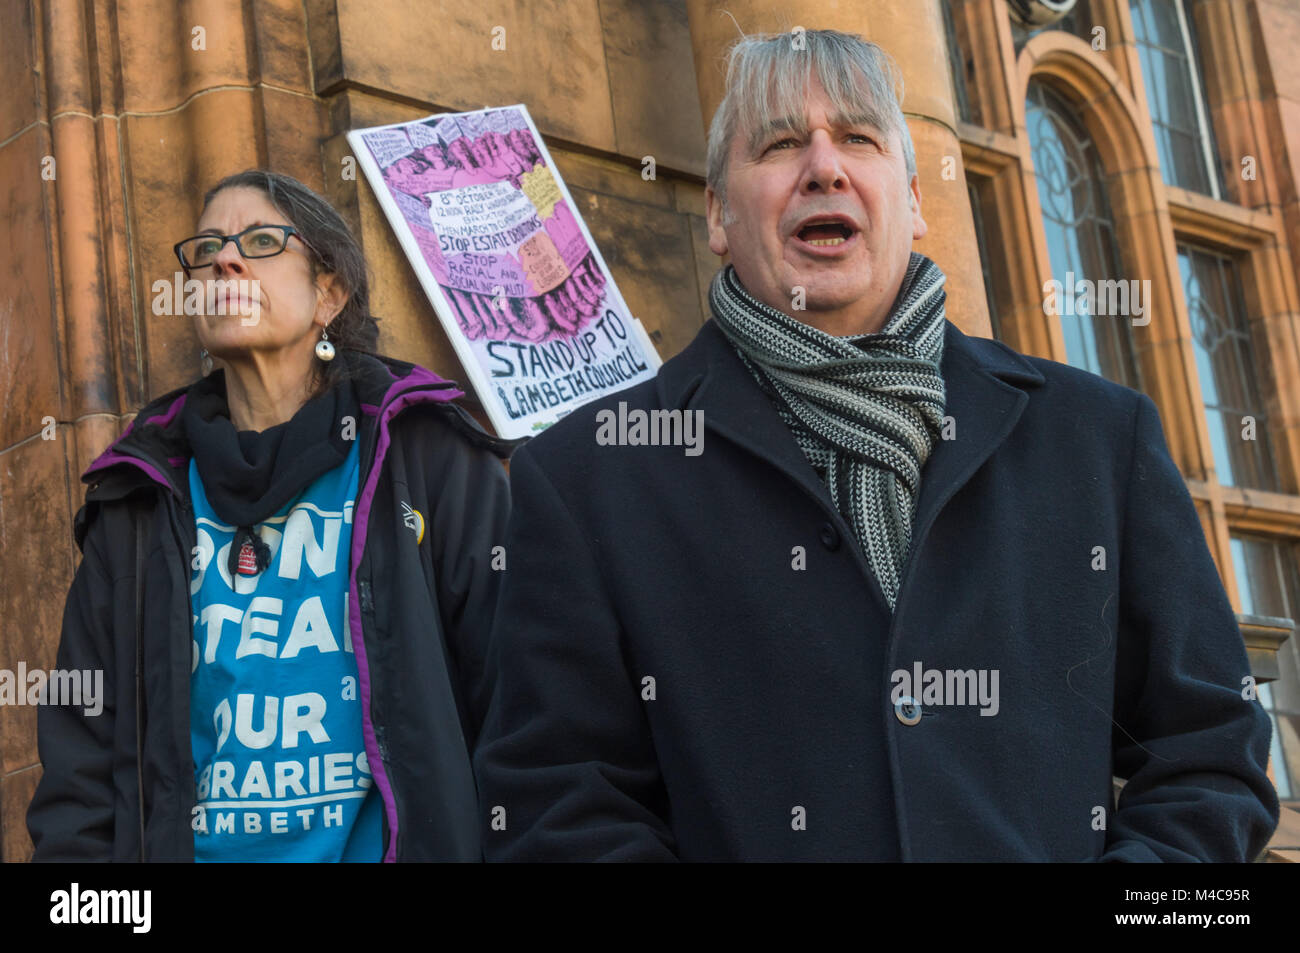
511,269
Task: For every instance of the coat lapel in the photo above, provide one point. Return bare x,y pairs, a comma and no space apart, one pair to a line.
709,376
982,382
983,396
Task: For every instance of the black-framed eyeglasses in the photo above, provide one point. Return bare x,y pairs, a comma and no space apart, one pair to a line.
256,241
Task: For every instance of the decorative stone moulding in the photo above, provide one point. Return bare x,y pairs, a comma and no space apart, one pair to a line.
1264,636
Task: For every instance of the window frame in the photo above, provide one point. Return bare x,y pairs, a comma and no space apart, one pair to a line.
1190,52
1107,236
1248,366
1286,555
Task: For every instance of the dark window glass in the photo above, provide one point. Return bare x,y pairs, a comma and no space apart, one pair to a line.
1073,22
956,64
1166,45
1226,366
981,237
1267,585
1080,234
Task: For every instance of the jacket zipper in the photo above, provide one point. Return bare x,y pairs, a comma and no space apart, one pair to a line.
365,605
372,714
187,535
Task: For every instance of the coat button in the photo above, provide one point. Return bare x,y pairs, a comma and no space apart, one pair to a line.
830,537
907,710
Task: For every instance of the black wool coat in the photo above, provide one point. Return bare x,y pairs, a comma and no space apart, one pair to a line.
693,661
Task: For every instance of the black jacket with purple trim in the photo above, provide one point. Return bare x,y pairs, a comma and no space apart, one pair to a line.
420,614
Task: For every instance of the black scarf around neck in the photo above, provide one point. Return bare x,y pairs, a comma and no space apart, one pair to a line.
250,475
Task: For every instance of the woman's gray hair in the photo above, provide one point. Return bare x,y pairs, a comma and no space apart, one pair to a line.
768,76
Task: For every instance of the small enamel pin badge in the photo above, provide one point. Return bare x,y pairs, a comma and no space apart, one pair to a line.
414,521
247,560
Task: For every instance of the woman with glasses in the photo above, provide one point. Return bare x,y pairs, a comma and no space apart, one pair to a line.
289,571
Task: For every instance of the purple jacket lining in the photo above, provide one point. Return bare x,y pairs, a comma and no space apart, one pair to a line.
361,516
110,456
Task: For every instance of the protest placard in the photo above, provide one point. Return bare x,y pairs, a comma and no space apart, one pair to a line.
510,268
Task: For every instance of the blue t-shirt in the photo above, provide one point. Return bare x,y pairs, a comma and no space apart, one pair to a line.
275,714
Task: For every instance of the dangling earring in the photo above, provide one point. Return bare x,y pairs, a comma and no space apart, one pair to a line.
205,362
324,349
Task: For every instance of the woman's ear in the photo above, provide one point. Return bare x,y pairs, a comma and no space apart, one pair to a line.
331,297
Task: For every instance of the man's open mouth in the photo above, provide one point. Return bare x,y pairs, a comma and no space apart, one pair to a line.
826,233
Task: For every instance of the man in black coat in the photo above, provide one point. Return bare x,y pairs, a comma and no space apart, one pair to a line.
843,583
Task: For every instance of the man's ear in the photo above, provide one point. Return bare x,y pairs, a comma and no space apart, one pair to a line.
918,223
330,298
713,214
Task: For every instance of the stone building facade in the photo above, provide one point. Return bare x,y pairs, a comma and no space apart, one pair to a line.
1147,141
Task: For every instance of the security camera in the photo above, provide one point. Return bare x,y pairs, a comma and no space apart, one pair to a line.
1037,13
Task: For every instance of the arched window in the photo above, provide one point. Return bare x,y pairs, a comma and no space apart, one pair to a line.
1080,239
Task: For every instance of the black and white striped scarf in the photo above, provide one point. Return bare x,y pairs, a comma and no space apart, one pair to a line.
865,409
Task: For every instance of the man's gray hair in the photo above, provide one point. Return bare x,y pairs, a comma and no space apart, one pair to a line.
768,76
